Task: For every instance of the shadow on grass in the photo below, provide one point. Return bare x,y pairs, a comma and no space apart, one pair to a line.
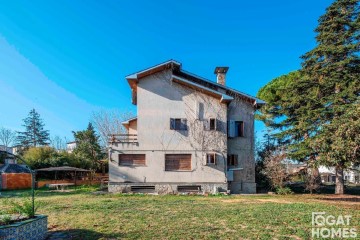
325,189
45,192
81,234
342,199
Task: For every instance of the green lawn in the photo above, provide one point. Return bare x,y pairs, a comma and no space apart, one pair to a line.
87,216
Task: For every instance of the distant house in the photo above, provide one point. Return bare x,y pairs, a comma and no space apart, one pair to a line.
328,175
8,158
70,146
190,135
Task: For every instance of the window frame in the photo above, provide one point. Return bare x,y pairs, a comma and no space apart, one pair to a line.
233,160
213,155
178,124
214,127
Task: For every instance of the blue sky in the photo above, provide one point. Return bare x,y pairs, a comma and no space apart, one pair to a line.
69,58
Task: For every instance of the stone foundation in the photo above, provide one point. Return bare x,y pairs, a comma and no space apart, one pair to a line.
168,188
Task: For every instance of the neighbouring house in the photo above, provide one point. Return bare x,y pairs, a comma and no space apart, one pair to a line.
190,135
7,158
70,146
351,175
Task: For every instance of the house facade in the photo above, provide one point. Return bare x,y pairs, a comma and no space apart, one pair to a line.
190,135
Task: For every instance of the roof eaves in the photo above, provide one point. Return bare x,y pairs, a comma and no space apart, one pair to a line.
221,95
128,120
258,101
134,75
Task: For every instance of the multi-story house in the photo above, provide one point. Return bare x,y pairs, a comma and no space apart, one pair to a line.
190,134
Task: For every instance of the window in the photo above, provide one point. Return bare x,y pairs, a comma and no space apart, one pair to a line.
236,128
232,160
132,159
177,162
212,124
211,159
178,124
239,128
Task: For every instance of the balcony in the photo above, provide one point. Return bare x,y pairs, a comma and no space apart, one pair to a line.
123,138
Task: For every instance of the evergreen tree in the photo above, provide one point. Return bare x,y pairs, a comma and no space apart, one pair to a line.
312,111
331,84
87,145
34,134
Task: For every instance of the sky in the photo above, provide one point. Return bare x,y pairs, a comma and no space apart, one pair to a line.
69,58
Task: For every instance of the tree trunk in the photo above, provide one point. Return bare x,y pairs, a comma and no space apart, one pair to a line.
339,184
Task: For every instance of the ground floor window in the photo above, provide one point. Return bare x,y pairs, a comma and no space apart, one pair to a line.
132,159
177,162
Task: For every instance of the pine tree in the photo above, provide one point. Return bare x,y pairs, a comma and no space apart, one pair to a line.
87,145
331,83
312,111
34,134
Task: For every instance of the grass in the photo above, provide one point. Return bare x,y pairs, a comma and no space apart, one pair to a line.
84,215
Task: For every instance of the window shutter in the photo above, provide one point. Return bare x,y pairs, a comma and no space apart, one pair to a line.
216,159
236,160
218,125
183,124
232,129
206,124
242,125
172,123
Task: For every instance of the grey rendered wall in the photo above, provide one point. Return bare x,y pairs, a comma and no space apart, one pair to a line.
244,180
158,100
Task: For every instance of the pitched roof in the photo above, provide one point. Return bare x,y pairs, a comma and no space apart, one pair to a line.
64,168
14,168
178,72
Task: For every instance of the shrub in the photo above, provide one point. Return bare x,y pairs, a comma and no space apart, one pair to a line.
284,191
23,208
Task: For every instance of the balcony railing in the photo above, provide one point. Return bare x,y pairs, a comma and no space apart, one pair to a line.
123,138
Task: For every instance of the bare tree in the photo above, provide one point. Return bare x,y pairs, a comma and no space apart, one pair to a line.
108,122
199,108
7,136
58,143
275,168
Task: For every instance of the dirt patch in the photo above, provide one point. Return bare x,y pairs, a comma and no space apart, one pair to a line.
275,200
236,200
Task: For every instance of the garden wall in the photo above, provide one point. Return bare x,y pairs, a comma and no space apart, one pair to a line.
12,181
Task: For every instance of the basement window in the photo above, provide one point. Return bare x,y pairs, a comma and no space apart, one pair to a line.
211,159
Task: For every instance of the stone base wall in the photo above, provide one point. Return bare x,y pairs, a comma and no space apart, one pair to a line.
168,188
31,229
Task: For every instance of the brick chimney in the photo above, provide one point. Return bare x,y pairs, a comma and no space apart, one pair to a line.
221,74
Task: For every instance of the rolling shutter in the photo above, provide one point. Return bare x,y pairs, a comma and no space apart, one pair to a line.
177,162
131,159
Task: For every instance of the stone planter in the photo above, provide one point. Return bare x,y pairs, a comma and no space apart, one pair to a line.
30,229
